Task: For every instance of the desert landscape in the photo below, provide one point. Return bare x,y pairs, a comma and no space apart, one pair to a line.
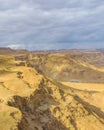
51,90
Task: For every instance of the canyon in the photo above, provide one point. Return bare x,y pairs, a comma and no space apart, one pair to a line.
51,90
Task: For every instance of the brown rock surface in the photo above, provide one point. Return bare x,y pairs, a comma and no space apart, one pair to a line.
29,100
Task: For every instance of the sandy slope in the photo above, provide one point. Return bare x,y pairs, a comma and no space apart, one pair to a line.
31,101
86,86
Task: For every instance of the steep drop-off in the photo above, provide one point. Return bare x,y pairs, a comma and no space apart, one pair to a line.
32,98
77,66
49,108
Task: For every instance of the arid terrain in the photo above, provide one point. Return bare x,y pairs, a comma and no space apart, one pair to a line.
51,90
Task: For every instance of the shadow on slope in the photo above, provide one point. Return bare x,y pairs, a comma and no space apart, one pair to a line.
91,108
36,113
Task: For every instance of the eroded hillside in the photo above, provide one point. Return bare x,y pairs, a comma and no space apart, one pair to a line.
31,99
79,66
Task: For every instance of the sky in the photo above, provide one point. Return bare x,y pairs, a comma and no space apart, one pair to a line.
52,24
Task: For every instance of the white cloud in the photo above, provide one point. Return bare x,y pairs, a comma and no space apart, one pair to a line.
16,46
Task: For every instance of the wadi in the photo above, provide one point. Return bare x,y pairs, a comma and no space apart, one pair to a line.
51,90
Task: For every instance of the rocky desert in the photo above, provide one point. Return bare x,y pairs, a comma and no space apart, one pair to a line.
51,90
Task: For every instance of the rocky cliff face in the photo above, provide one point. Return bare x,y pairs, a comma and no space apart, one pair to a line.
50,107
29,100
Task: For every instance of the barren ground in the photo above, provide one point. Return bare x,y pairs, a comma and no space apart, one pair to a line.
36,91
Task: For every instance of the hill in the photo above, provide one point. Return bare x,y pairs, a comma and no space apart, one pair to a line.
32,98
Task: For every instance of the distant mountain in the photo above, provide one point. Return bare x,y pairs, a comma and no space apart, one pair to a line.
9,51
101,50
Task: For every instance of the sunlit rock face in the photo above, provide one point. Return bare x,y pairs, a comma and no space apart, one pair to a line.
52,90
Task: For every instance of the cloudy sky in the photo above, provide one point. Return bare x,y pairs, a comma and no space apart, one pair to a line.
52,24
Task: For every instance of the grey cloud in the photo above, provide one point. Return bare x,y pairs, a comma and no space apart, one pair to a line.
51,24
